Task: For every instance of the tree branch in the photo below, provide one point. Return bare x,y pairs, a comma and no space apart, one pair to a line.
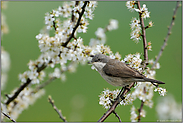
8,116
115,103
167,36
56,109
23,86
143,36
145,51
77,24
117,116
140,109
10,99
44,84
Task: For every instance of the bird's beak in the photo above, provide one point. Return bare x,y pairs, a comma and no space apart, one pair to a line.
89,62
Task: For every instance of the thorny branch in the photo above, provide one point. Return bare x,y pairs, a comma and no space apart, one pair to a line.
8,116
56,109
167,36
10,99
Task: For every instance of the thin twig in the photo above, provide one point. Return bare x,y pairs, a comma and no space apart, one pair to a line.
44,84
77,24
50,80
117,116
115,103
141,106
8,116
54,24
140,110
143,36
167,36
56,109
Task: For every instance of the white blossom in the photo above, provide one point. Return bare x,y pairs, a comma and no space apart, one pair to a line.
168,109
113,25
5,66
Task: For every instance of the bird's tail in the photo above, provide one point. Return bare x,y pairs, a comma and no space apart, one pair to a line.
153,81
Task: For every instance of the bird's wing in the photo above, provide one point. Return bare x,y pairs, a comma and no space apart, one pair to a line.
120,69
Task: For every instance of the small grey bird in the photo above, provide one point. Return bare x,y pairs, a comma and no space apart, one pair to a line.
118,73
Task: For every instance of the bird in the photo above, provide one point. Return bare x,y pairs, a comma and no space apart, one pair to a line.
118,73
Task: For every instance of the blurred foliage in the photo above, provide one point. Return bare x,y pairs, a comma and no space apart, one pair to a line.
77,97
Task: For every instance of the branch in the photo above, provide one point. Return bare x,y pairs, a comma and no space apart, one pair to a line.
140,109
77,24
143,36
116,102
8,116
117,116
167,36
17,92
141,106
10,99
145,51
56,109
44,84
50,80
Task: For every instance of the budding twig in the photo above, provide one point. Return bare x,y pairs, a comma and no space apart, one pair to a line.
56,109
167,36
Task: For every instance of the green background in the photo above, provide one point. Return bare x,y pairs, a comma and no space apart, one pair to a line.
26,19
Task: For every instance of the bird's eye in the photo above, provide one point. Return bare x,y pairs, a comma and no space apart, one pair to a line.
99,59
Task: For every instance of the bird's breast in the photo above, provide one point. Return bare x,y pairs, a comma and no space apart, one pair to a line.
115,81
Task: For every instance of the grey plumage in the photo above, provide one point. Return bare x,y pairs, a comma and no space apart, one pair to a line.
118,73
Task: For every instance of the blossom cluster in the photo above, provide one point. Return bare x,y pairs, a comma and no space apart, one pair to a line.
144,10
26,97
107,96
135,23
